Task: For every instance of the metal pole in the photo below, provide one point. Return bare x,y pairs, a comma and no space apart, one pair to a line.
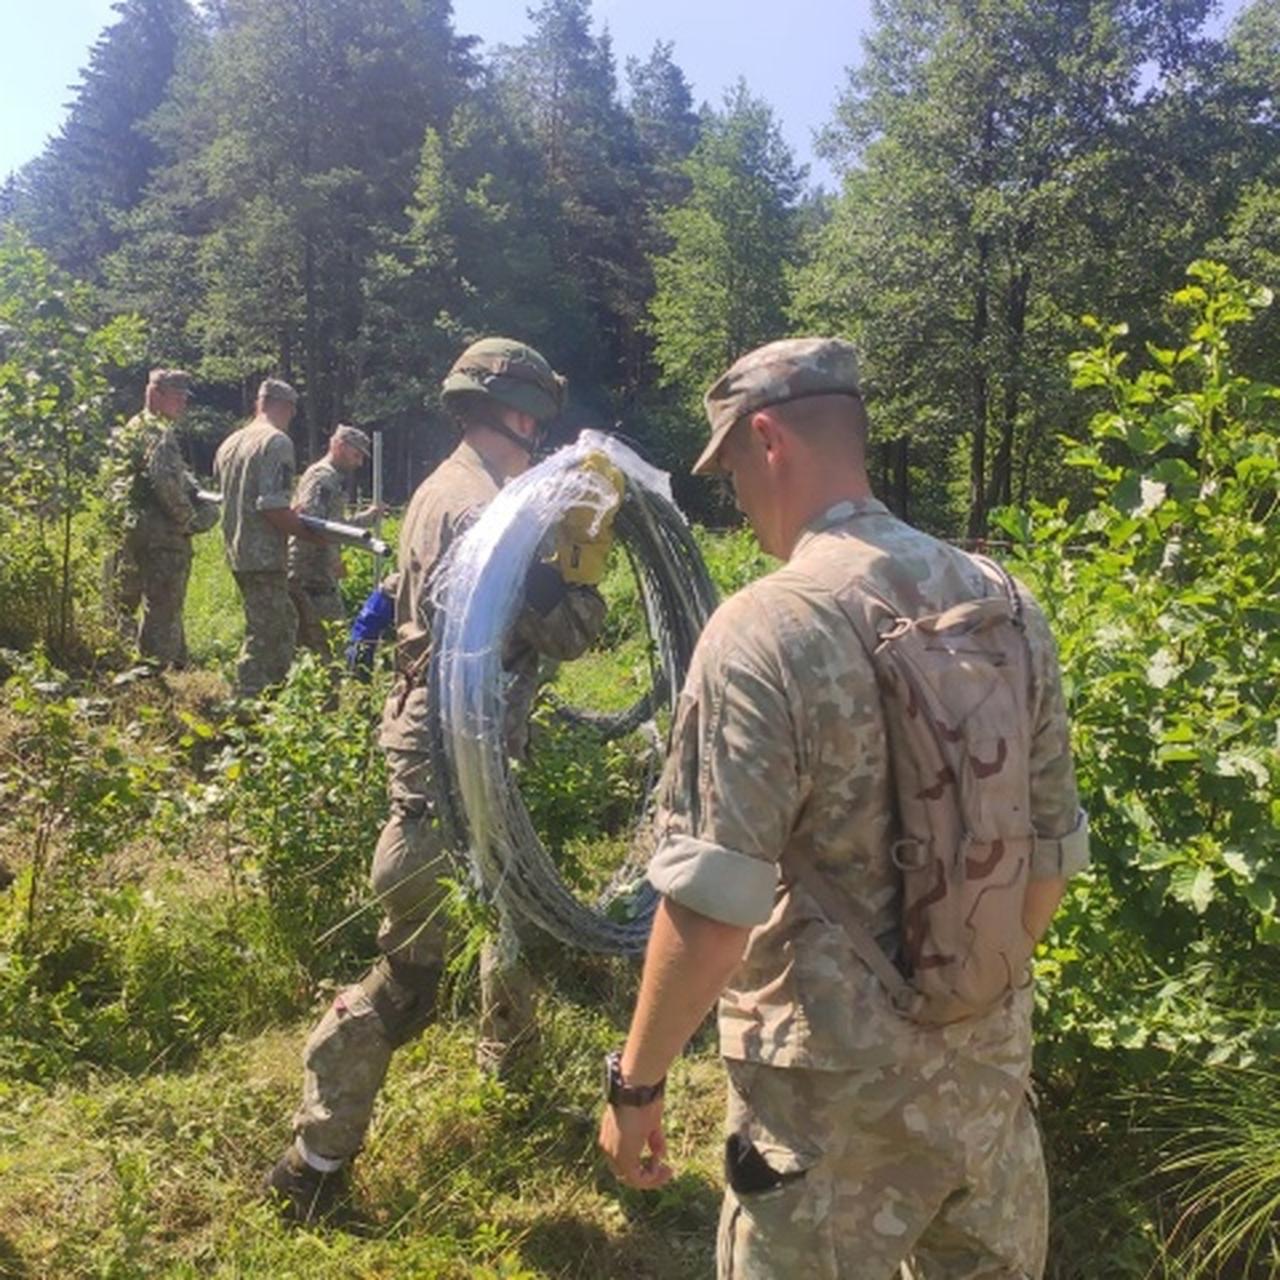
377,501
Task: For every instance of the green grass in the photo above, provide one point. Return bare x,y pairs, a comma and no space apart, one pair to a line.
150,1168
214,618
463,1176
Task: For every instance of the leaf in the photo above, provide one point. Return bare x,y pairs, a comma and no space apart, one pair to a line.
1163,668
1151,494
1236,862
1269,931
1242,764
1260,895
1202,890
1192,885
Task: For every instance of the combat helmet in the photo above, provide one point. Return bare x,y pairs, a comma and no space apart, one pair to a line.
509,372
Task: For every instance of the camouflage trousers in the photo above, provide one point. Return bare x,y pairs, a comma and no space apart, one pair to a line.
876,1175
270,630
346,1057
155,579
318,607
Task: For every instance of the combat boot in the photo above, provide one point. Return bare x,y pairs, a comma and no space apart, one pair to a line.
306,1196
508,1042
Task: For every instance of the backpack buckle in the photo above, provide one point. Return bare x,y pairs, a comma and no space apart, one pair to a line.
909,854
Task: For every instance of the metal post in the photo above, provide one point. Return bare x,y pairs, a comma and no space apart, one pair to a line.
377,501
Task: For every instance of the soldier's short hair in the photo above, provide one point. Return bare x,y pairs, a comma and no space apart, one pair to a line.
277,389
353,436
170,380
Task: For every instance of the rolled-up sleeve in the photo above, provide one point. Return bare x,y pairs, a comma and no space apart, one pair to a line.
1061,825
731,790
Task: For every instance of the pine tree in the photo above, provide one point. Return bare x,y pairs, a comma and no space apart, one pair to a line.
475,258
69,198
666,125
722,288
292,146
560,86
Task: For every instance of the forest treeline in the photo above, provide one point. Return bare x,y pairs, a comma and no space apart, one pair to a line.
344,191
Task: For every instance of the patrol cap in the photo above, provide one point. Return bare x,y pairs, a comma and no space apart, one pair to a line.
170,380
353,436
511,373
277,389
773,374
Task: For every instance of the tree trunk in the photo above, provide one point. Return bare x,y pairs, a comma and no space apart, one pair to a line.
310,356
977,525
902,476
979,390
1001,491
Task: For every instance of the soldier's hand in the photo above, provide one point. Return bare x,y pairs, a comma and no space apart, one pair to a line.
635,1146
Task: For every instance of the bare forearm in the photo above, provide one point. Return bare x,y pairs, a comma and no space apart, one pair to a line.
1039,904
689,960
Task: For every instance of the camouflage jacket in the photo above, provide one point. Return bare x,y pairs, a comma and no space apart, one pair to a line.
254,468
441,509
321,492
779,753
150,485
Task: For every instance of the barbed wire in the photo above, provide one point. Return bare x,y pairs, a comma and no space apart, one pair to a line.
477,595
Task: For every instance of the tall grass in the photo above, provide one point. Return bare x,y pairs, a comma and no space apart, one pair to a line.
1220,1140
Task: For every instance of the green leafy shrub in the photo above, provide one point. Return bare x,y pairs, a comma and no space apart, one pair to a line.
1164,599
734,558
106,957
55,416
304,790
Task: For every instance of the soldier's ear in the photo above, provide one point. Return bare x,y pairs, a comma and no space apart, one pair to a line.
768,433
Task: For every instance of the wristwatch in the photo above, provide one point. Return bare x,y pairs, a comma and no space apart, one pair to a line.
620,1094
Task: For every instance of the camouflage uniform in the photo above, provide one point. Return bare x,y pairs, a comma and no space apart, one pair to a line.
887,1143
153,562
313,569
347,1055
254,467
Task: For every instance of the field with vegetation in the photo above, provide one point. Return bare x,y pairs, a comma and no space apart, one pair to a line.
1054,241
191,888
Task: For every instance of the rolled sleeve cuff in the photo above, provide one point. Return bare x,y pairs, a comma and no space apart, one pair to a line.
1062,856
714,881
272,502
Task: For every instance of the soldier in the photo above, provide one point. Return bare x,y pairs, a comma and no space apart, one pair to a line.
314,570
859,1141
254,467
160,513
501,392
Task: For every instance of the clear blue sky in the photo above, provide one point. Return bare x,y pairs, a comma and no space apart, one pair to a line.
46,42
793,54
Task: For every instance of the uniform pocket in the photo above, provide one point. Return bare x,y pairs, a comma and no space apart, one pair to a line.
748,1172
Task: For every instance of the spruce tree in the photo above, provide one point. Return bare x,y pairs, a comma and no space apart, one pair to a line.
96,167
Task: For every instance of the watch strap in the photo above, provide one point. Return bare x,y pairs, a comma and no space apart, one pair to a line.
620,1094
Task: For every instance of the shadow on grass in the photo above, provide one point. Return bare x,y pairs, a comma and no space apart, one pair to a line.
12,1266
669,1235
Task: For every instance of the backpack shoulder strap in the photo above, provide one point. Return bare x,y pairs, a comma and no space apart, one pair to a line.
904,996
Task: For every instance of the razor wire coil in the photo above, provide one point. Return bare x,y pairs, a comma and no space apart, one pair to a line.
477,595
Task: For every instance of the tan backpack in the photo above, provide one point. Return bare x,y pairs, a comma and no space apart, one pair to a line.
956,689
